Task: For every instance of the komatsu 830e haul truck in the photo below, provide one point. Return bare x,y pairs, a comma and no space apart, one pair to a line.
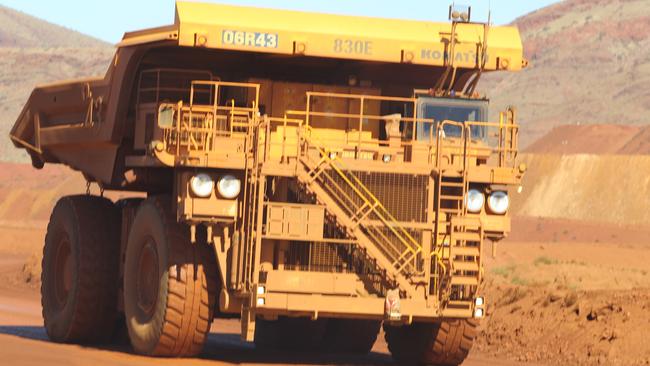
316,175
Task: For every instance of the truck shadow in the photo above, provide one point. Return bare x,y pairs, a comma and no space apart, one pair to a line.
227,348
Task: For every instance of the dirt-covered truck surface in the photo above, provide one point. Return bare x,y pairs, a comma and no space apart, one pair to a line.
316,175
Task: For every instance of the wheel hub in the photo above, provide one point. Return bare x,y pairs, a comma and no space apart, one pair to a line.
63,263
147,278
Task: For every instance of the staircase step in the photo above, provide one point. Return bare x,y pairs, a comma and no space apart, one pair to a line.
452,198
464,266
464,280
456,211
461,304
452,184
452,173
466,236
465,251
467,222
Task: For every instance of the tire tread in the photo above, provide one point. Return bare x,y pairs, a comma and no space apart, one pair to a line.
96,222
446,343
191,290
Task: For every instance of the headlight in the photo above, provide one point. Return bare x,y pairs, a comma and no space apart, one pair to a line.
229,186
498,202
474,201
202,185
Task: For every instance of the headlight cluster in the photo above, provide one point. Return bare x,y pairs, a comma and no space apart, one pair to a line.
203,184
497,201
474,201
229,186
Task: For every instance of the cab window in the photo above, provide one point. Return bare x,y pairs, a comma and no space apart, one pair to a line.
442,109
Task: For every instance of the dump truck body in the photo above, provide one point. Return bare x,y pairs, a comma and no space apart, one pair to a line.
339,167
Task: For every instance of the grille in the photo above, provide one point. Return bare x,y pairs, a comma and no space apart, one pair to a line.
318,257
378,233
335,258
405,196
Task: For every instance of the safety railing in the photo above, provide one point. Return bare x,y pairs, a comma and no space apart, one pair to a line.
486,140
195,127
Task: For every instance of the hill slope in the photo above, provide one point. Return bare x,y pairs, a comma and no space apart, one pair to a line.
33,52
18,29
590,63
594,139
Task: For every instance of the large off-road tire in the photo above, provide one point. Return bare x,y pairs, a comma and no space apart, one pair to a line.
169,284
80,270
350,335
289,334
445,343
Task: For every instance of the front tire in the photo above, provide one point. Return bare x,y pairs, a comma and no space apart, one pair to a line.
80,266
169,284
445,343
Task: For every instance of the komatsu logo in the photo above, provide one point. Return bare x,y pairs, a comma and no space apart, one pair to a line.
428,54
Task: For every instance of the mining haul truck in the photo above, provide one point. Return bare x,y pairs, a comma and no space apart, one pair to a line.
314,175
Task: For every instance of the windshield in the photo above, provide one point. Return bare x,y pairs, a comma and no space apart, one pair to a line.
442,109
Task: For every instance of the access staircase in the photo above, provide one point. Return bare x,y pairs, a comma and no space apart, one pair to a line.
459,238
357,210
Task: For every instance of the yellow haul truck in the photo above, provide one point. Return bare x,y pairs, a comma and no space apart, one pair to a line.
315,175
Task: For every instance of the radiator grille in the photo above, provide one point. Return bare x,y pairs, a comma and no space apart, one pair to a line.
405,196
318,257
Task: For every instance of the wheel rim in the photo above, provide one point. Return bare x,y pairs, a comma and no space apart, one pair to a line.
147,278
63,264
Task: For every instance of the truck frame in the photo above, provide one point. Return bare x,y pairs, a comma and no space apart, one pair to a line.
315,175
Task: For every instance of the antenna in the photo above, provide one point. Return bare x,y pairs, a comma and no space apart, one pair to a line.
489,12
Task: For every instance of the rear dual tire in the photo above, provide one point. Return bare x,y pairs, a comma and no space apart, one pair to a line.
80,269
352,336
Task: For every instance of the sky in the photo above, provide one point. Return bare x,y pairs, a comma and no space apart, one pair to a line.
108,20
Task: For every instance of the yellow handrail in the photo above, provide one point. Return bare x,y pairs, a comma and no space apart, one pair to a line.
369,200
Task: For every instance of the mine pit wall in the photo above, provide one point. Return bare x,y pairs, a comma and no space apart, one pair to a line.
612,189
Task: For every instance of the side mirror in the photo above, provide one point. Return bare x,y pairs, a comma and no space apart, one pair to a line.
166,116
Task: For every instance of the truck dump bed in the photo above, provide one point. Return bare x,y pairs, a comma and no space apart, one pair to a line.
88,124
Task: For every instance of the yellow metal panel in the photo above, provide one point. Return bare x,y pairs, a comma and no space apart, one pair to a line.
337,36
295,221
313,282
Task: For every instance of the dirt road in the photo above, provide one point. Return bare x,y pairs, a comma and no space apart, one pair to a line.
24,341
545,260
